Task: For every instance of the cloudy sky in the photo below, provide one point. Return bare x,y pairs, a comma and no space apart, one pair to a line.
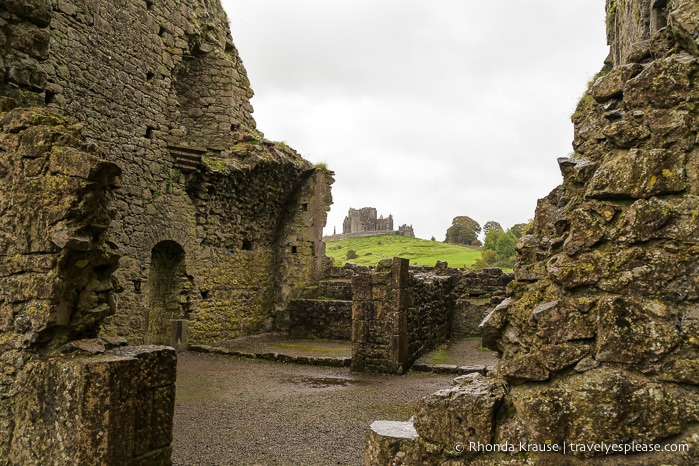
425,109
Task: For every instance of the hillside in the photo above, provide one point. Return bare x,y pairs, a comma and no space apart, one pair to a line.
371,249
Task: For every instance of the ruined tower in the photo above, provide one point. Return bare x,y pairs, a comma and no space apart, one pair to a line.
215,224
136,194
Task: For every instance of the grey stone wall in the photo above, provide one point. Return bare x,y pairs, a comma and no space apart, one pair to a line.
420,308
320,318
430,311
477,293
161,89
65,399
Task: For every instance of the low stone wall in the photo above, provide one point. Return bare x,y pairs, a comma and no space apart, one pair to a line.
361,234
417,308
478,292
431,311
318,318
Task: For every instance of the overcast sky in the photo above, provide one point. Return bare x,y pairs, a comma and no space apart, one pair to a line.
423,109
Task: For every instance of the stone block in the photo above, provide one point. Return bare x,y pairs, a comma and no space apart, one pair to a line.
157,365
630,331
522,368
460,414
97,393
399,272
492,325
638,173
361,287
602,405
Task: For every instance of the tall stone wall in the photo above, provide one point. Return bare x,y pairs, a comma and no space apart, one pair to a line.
66,398
599,337
161,89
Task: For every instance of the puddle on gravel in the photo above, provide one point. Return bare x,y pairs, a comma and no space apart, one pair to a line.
324,382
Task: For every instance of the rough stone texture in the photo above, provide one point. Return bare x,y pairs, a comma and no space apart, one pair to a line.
65,399
320,318
380,318
56,273
108,409
436,300
599,334
214,223
430,312
477,292
461,414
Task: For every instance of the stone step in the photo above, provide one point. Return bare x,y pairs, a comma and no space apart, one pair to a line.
276,356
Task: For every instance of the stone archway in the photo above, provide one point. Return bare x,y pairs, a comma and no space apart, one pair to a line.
169,295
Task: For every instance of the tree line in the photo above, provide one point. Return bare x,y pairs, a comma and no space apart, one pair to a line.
498,246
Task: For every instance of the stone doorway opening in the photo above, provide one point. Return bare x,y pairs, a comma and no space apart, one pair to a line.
170,291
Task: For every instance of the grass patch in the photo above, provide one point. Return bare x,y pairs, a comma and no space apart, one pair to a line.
322,348
438,356
371,249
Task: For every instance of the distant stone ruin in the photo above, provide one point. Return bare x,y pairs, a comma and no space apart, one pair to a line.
367,222
600,333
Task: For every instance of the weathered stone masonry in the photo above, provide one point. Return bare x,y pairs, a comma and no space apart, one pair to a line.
211,224
400,313
162,91
60,401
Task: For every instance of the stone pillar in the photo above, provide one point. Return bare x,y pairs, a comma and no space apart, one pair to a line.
391,442
178,334
379,318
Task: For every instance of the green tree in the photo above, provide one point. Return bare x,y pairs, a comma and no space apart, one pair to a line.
521,229
490,226
498,249
463,230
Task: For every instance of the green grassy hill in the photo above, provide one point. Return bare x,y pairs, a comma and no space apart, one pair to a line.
371,249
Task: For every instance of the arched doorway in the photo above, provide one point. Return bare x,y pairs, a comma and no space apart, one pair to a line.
169,291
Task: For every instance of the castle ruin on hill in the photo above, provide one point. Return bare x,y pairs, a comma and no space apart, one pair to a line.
367,222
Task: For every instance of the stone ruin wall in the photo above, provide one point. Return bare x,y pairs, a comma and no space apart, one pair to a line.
133,188
400,313
59,385
157,85
599,336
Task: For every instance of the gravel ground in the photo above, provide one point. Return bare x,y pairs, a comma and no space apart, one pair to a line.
236,411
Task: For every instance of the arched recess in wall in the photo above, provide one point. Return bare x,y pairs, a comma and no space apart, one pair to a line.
170,289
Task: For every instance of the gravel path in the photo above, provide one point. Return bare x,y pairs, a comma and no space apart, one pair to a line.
236,411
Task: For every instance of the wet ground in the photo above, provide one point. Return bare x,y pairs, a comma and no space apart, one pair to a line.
241,411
